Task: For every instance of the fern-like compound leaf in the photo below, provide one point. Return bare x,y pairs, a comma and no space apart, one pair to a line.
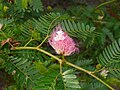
47,81
37,5
23,70
24,4
110,58
6,21
70,80
110,55
46,22
78,30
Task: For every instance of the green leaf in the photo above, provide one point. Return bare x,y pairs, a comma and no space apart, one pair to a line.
80,31
46,22
37,5
70,80
110,58
25,77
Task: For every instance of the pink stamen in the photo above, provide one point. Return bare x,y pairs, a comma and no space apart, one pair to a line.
61,42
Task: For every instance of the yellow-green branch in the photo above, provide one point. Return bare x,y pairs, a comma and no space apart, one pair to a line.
68,63
105,3
28,42
43,41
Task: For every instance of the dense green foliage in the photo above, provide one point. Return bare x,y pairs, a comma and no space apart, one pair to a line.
28,23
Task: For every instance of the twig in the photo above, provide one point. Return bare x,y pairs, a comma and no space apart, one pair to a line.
105,3
43,41
66,62
28,42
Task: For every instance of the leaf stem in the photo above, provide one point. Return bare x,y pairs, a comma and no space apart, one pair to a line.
43,41
28,42
61,62
68,63
98,70
60,67
105,3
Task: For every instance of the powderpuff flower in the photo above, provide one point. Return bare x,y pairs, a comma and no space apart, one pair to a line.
104,73
61,42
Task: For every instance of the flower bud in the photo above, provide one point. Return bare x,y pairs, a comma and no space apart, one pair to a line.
104,73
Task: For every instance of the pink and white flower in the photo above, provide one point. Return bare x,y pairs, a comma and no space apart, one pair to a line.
104,73
61,42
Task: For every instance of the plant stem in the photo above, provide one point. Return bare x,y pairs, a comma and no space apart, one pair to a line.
60,67
105,3
68,63
90,73
98,70
36,48
43,41
61,62
28,42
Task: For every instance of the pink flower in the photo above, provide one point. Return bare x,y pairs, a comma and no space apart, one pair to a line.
61,42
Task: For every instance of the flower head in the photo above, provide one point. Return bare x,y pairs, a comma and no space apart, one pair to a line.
61,42
104,73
